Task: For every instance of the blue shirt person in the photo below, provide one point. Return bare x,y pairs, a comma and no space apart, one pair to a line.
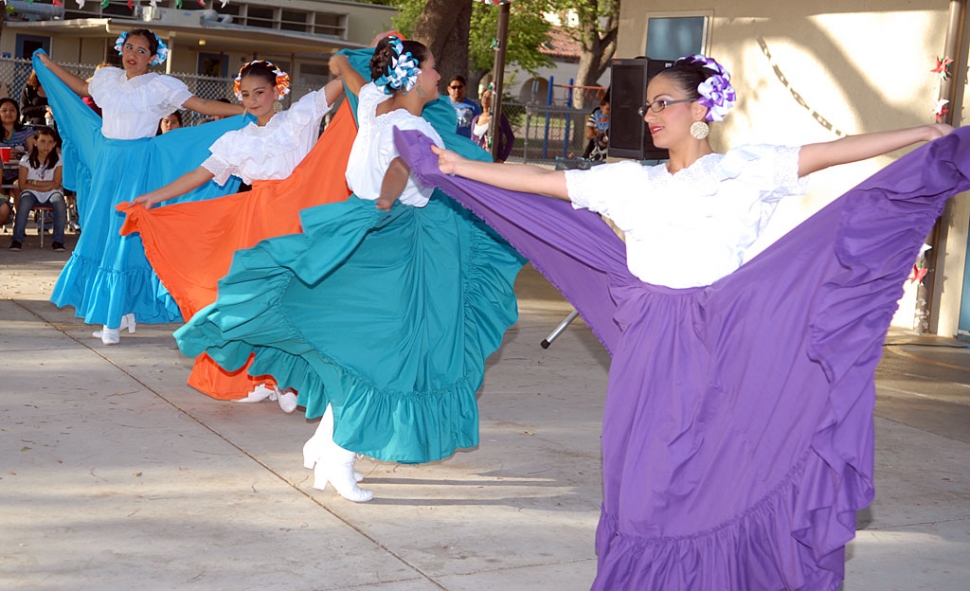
465,110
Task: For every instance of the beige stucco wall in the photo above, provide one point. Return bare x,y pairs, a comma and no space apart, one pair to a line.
859,66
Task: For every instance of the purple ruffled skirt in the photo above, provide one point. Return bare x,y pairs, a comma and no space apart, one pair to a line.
738,430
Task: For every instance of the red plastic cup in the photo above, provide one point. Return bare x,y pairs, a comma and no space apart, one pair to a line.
5,154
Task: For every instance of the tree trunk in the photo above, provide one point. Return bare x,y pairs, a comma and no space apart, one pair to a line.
598,47
443,26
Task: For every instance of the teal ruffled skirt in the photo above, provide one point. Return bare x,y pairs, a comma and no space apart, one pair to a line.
386,315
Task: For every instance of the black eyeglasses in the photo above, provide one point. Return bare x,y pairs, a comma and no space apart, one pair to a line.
660,104
456,87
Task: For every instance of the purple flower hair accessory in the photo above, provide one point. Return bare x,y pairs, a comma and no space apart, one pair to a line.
716,91
718,96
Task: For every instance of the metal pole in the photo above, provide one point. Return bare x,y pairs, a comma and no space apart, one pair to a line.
926,292
494,129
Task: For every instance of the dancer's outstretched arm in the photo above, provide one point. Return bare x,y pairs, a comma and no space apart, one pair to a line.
815,157
212,108
180,186
74,82
514,177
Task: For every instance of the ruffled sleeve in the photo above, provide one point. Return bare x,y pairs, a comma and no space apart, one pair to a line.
370,96
174,91
101,84
772,170
220,168
604,188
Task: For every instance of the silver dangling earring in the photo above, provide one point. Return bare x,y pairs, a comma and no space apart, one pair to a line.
700,130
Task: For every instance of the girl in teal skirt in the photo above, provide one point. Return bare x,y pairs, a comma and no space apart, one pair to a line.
382,312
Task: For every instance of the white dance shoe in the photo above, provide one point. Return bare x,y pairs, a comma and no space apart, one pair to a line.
112,336
259,394
332,463
337,468
286,398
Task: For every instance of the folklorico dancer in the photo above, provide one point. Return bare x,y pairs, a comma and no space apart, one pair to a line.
269,148
737,433
382,312
111,160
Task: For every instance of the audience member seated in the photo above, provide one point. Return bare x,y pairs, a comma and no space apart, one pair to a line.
40,183
169,122
17,137
33,102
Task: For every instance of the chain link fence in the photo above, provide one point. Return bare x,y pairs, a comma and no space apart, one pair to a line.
543,133
14,73
547,133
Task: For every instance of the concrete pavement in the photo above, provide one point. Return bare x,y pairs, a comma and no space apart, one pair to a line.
115,475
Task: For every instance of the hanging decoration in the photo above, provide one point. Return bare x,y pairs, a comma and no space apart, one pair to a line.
940,109
942,67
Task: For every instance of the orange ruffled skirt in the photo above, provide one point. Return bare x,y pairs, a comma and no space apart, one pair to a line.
190,245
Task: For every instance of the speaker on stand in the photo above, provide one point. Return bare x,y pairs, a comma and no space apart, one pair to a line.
629,135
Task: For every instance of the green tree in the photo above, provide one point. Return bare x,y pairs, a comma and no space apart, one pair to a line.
466,47
596,34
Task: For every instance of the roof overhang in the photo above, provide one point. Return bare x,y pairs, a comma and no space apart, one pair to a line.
216,37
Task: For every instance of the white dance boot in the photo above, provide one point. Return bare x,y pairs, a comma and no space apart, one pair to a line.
337,468
286,400
318,449
259,394
112,336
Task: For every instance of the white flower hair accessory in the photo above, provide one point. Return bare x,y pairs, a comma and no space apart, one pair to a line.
282,80
161,54
403,72
716,91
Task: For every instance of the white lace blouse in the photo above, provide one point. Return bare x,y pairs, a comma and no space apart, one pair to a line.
273,151
374,149
132,108
690,228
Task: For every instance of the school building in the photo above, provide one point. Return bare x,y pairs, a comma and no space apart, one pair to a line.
205,38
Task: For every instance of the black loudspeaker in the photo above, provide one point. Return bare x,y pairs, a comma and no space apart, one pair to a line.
629,135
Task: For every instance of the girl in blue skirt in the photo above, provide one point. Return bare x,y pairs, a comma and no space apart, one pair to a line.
112,160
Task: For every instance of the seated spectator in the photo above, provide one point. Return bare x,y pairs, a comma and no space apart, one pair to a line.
169,122
5,209
40,183
17,137
33,102
597,131
465,110
481,126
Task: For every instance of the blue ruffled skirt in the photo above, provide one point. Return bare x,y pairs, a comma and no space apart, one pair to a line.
108,275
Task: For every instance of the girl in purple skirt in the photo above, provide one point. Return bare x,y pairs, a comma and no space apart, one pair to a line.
737,436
